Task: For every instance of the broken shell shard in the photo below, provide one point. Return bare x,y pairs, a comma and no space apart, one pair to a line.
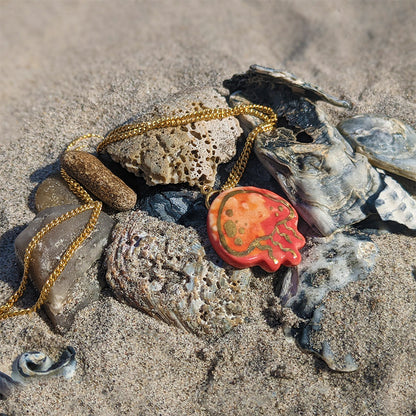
98,179
62,303
162,269
249,226
187,154
344,363
387,142
395,204
328,264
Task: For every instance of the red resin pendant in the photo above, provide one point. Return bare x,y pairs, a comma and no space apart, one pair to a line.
249,226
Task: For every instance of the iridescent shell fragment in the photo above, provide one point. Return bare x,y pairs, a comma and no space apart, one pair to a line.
162,269
35,364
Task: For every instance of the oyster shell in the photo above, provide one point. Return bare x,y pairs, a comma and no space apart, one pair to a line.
327,182
162,269
188,154
267,79
329,185
387,142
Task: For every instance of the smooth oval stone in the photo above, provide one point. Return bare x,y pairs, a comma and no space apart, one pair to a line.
52,192
63,303
99,180
387,142
249,226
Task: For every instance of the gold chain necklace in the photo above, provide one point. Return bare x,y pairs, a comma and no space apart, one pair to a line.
258,206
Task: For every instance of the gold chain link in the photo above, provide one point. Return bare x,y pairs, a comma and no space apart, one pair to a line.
266,114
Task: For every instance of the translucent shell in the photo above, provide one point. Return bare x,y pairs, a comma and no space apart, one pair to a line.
249,226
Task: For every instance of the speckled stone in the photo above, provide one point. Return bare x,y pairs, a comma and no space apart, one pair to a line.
99,180
187,154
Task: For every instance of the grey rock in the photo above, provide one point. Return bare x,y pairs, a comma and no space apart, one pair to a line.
63,302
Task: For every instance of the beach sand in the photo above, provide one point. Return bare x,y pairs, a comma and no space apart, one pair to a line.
76,67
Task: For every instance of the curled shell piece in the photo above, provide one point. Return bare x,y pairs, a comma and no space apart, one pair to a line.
162,269
388,143
37,364
188,154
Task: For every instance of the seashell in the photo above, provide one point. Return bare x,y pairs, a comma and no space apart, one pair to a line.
99,180
187,154
7,386
395,204
52,192
328,184
162,269
263,82
328,264
63,303
388,143
37,364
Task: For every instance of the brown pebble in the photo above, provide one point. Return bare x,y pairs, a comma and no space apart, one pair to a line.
99,180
